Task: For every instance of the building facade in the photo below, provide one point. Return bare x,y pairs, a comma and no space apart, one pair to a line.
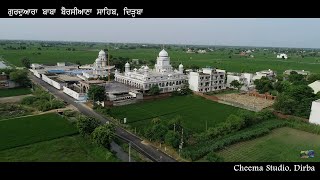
207,80
162,75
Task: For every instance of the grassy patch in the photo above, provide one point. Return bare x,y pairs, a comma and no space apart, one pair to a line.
219,58
281,145
14,92
26,130
195,111
66,149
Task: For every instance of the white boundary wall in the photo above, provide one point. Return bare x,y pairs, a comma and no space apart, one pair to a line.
51,82
75,95
35,72
315,112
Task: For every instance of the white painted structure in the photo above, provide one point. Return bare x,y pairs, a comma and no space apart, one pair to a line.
51,82
244,78
99,68
315,86
74,94
162,75
207,80
315,112
61,64
282,56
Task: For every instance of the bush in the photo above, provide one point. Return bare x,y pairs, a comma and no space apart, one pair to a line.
156,132
86,125
29,100
172,138
69,113
104,135
213,157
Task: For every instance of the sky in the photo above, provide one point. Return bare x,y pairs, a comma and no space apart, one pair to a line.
276,32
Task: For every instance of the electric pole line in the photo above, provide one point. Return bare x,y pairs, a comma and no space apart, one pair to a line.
129,151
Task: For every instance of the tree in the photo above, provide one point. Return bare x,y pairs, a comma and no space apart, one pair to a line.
296,100
20,77
86,125
263,85
281,86
26,62
154,90
296,78
104,135
313,77
96,93
172,138
236,84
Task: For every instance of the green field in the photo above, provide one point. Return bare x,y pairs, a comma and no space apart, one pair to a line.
193,110
65,149
219,58
26,130
281,145
14,92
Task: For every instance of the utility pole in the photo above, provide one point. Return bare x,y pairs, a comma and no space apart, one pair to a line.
108,65
129,151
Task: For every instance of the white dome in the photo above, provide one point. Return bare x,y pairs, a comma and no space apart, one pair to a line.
102,53
146,68
180,66
127,65
163,53
98,60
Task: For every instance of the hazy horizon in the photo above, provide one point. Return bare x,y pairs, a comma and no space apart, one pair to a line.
287,33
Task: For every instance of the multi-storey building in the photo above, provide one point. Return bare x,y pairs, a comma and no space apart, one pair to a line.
209,79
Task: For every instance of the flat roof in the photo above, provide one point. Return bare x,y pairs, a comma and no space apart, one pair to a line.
116,87
93,82
65,77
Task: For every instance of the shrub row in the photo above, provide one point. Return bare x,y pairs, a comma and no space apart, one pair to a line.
201,149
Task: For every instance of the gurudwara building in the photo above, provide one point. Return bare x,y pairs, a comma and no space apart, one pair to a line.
162,75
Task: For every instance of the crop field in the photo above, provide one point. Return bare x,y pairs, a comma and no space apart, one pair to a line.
221,58
194,112
26,130
281,145
65,149
14,92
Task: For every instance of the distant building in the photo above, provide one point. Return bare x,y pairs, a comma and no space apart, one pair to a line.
282,56
190,50
243,53
303,72
207,80
266,73
315,86
202,51
315,112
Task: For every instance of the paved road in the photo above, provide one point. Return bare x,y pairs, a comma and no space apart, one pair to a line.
136,143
